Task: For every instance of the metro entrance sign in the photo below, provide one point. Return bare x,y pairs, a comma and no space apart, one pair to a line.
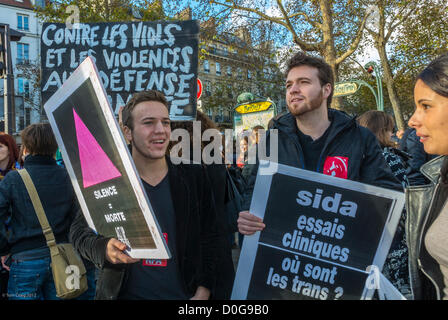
350,87
345,89
254,107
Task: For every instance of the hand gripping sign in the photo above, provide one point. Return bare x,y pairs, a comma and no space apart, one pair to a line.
106,183
323,235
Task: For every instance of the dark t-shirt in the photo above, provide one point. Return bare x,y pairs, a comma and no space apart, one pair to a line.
157,279
312,148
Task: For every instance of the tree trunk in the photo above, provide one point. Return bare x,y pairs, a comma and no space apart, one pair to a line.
380,43
328,50
393,97
336,102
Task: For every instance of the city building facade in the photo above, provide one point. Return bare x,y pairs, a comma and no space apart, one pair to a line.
25,53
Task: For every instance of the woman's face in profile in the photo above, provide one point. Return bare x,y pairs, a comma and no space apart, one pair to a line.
430,119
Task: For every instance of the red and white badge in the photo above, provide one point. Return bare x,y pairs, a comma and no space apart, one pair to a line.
336,167
157,262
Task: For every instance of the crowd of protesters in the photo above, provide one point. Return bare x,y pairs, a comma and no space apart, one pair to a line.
200,207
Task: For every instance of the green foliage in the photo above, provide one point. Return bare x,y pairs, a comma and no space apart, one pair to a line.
91,11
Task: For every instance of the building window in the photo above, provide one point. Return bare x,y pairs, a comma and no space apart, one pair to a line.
266,72
23,87
209,113
230,91
27,117
23,52
239,73
206,66
23,22
208,88
218,69
229,71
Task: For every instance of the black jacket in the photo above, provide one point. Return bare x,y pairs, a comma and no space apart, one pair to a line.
58,200
196,235
224,282
346,138
424,204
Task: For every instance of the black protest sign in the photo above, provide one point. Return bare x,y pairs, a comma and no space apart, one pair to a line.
130,57
98,162
322,236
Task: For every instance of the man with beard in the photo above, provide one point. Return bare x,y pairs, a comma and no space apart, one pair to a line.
314,137
182,201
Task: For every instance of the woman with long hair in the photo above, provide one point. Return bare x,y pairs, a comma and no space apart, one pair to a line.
382,125
9,154
427,225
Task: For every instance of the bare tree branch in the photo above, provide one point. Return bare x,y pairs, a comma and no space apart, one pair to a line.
258,12
304,45
400,21
307,18
355,42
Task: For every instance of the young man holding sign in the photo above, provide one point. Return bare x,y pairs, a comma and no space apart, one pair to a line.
314,137
183,204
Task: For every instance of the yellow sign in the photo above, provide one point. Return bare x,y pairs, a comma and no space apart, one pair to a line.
345,89
254,107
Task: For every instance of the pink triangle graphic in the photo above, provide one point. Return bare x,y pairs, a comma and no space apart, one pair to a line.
96,167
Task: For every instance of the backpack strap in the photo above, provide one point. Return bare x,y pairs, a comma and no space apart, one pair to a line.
37,204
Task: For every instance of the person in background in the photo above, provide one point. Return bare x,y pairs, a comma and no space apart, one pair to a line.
31,277
411,144
255,136
427,206
242,158
9,154
216,172
399,134
382,125
396,265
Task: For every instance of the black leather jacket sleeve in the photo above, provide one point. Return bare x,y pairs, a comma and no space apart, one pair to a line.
209,234
89,245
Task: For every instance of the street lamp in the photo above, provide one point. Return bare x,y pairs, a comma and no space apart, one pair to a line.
371,67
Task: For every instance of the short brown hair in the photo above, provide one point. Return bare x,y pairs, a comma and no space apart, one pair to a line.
142,96
325,73
38,139
379,123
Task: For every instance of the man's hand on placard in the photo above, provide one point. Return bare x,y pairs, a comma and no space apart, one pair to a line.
202,293
115,254
248,224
